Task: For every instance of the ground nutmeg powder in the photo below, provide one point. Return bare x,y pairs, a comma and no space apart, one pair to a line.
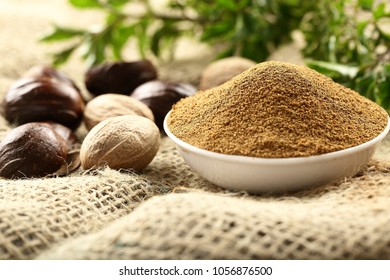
277,110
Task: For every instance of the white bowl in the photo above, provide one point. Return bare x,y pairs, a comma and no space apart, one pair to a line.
275,175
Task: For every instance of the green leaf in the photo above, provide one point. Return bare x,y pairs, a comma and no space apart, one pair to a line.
242,4
361,26
333,69
164,38
249,22
165,33
370,91
386,70
100,52
141,34
383,26
384,93
256,52
118,3
120,36
383,87
227,4
63,56
363,83
380,11
93,51
58,33
217,30
366,4
85,4
227,52
155,42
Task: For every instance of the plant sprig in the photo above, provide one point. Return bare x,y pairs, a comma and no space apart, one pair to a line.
345,39
353,47
247,28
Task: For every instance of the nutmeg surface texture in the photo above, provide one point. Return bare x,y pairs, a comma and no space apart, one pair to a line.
66,133
112,105
123,142
119,77
44,99
160,96
32,150
49,72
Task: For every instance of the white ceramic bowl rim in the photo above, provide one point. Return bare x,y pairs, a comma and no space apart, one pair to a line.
258,160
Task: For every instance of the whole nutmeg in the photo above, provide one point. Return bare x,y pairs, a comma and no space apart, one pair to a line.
48,72
124,142
223,70
32,150
160,96
112,105
66,133
34,100
119,77
73,145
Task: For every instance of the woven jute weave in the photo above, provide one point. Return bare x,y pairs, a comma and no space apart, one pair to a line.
342,221
168,211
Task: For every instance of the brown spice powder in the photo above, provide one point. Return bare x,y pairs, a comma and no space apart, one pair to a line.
277,110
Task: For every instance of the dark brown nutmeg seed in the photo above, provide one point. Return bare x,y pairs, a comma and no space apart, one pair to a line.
160,96
34,100
66,133
73,145
119,77
48,72
31,150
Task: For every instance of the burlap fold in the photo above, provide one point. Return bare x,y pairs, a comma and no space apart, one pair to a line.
350,220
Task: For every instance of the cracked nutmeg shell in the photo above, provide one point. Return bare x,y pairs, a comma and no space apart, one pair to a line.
43,99
32,150
160,96
119,77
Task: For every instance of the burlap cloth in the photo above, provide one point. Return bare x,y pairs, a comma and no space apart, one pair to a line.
168,211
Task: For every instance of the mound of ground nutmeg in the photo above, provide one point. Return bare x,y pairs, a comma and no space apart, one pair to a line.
277,110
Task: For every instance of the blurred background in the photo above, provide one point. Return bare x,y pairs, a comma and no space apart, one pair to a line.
348,40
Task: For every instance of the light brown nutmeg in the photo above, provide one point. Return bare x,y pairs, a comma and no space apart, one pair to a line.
112,105
124,142
221,71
